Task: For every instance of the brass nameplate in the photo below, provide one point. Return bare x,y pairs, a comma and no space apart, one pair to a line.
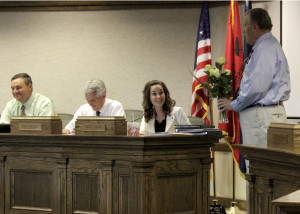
102,126
280,138
40,125
94,127
30,126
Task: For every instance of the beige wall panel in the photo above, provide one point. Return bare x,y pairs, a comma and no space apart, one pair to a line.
125,48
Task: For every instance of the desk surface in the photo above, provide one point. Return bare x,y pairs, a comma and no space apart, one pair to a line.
292,199
265,147
45,140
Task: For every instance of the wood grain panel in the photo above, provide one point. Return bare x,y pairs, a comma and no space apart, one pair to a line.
32,185
85,189
106,186
2,184
83,186
122,186
29,185
176,194
177,183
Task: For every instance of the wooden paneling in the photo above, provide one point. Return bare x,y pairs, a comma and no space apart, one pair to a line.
273,173
122,182
170,200
92,5
177,186
32,185
27,184
2,184
83,179
106,174
100,5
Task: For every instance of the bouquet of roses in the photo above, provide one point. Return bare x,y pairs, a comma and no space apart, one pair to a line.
218,84
219,81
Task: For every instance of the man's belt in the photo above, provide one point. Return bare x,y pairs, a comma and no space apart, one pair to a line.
262,105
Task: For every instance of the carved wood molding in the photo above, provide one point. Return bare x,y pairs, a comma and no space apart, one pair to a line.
93,5
222,147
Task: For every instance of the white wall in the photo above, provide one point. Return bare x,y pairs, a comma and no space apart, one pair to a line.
127,48
291,47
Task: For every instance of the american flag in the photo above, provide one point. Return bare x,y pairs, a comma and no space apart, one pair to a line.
200,96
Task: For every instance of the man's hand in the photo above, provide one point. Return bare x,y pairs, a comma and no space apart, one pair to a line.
224,104
65,131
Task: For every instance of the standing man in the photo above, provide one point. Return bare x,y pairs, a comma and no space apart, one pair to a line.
97,104
26,102
266,81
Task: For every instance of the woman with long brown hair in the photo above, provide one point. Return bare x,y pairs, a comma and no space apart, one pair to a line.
160,113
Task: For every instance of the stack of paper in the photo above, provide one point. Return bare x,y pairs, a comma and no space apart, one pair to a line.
194,129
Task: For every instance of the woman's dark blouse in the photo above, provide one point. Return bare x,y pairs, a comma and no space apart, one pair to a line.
160,127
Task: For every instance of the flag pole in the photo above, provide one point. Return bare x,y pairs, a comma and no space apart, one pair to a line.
213,149
234,56
215,199
233,181
233,209
214,171
211,111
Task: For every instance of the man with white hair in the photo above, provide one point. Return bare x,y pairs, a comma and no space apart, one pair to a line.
97,104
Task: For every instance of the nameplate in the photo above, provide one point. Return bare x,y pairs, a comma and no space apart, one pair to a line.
279,138
284,136
36,125
104,125
30,126
94,127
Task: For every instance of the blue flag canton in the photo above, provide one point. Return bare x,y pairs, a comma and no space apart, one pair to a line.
248,5
204,26
203,29
247,48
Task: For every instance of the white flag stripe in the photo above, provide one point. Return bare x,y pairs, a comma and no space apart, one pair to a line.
203,43
203,57
200,73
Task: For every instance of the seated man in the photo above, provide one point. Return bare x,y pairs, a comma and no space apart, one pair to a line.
97,104
26,102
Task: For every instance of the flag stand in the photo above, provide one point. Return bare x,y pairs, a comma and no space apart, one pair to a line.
215,207
233,209
213,151
214,174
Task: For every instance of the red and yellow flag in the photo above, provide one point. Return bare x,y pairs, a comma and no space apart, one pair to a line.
234,62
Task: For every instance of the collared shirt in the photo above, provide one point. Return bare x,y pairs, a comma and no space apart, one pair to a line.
110,108
266,78
36,105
